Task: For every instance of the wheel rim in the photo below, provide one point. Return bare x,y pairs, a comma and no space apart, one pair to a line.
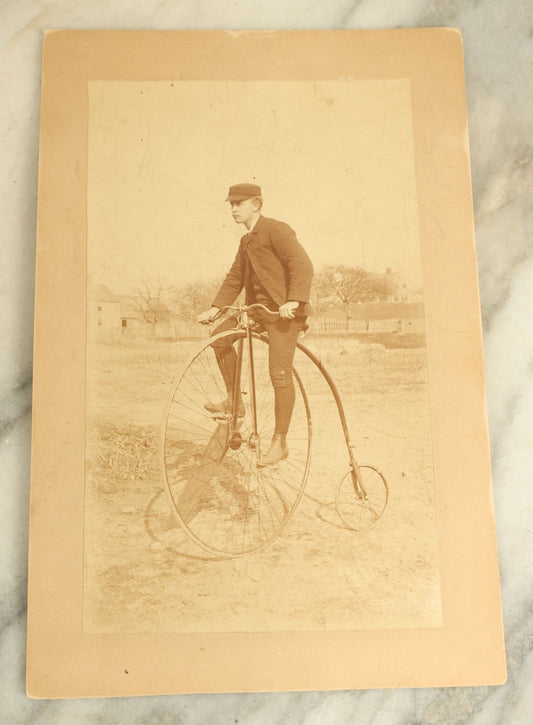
358,510
225,503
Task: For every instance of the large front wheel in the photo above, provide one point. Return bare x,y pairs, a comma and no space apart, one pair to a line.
222,499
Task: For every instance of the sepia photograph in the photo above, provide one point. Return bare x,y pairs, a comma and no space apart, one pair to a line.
258,444
260,456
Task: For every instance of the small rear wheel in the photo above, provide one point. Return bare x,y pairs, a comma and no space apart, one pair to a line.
361,497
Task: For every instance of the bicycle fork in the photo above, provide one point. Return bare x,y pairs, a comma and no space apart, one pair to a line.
254,438
235,438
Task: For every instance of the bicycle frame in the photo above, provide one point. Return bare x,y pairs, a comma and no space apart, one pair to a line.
245,324
225,500
354,468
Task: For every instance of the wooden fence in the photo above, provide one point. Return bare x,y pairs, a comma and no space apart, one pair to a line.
177,329
320,326
331,326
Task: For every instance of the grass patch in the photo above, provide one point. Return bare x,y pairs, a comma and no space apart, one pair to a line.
117,456
389,340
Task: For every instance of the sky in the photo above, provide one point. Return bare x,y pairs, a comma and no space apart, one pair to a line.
334,160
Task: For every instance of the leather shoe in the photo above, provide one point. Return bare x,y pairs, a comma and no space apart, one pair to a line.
225,407
277,452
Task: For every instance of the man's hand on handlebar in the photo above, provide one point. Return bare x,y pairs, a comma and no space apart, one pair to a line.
205,318
288,310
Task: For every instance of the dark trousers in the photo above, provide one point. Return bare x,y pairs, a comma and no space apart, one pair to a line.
282,339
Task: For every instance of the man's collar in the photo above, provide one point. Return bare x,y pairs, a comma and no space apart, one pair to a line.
254,226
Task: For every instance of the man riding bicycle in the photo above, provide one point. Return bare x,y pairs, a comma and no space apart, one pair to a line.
274,270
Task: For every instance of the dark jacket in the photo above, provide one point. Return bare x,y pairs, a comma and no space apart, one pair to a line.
279,262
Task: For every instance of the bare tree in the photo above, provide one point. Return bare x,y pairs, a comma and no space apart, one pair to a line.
341,284
150,301
322,295
347,286
194,297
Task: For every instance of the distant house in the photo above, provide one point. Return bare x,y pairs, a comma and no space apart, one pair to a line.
111,317
103,313
131,320
400,289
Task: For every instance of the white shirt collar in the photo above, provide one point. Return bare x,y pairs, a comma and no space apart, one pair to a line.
249,231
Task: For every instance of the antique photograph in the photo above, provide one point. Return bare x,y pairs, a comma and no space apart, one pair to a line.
258,444
260,458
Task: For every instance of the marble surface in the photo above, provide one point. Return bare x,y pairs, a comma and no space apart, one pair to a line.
498,38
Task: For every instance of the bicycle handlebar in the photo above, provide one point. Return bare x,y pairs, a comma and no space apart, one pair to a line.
239,308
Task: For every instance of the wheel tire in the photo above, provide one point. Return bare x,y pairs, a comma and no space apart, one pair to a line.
361,507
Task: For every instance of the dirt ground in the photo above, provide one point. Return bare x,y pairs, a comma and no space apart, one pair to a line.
141,576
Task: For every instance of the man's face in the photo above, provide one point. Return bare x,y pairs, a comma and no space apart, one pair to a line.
244,211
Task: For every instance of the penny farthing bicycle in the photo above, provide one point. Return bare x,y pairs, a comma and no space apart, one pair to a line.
225,502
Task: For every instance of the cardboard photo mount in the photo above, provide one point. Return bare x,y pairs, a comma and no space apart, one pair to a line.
468,648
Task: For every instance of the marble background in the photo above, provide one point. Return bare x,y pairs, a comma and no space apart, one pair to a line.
498,38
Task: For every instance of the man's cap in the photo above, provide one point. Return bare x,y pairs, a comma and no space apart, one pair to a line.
240,192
